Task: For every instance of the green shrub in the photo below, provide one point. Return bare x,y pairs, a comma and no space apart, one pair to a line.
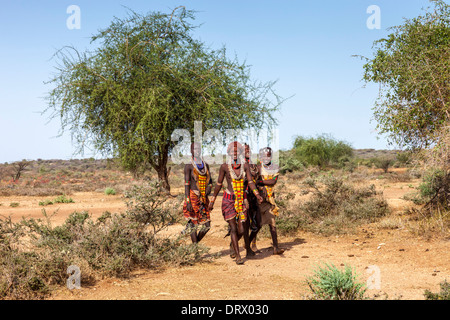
432,182
404,158
433,191
330,283
444,294
45,202
321,151
289,163
63,199
383,163
110,191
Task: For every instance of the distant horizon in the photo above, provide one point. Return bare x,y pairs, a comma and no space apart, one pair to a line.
101,158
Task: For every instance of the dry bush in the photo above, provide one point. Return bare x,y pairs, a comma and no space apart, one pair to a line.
328,205
433,217
34,255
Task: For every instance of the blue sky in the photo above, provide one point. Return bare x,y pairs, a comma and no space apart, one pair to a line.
307,46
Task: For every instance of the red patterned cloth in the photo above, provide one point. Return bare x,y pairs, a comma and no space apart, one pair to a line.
200,213
228,207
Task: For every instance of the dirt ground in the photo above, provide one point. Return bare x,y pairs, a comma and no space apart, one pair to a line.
404,264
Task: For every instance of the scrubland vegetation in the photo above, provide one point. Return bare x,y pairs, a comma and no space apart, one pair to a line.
330,196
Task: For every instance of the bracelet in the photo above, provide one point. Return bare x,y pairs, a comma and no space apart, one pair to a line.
255,191
187,199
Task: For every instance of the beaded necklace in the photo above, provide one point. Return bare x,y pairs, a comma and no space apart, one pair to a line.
238,189
202,177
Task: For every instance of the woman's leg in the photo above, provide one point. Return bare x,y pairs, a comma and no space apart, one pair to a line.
234,240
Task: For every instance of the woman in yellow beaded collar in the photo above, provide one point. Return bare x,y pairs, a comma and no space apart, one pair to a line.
197,187
234,202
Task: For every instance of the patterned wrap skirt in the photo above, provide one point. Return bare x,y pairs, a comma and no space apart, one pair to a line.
229,210
200,213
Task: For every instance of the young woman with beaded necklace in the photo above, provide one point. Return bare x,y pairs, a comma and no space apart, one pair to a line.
197,187
234,207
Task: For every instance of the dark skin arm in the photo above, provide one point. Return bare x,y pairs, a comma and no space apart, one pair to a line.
251,184
187,185
222,172
209,186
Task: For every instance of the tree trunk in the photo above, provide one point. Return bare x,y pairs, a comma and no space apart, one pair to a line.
161,169
163,176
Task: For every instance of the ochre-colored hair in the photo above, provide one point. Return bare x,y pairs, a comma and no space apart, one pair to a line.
233,145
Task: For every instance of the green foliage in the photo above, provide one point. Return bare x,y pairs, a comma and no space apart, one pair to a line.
63,199
412,66
383,163
110,191
434,189
146,77
431,183
46,202
330,283
289,163
404,158
321,151
444,294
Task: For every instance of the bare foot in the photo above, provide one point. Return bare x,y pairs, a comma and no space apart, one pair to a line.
232,253
239,261
250,253
278,251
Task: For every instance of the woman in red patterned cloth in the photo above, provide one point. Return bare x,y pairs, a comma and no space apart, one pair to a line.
197,187
234,202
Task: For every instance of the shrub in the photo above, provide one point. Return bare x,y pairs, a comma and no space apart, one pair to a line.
112,245
444,294
404,158
289,162
45,202
330,283
334,207
435,188
321,151
383,163
338,205
63,199
110,191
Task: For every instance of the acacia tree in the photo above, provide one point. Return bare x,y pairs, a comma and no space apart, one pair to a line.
412,67
147,77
